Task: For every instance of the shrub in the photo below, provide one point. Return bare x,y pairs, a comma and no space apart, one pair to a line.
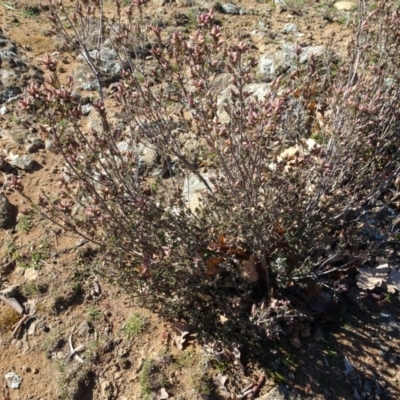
275,202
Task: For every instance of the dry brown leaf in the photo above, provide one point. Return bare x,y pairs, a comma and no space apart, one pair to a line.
370,278
221,240
212,265
312,105
250,270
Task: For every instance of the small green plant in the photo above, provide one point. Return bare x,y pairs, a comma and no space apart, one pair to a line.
11,248
221,366
342,20
319,139
135,325
191,16
295,6
201,383
389,297
31,12
144,379
35,258
154,185
153,375
32,289
94,313
24,223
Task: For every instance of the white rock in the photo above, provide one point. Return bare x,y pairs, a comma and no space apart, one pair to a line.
193,189
231,8
345,5
292,28
13,380
31,274
24,163
86,109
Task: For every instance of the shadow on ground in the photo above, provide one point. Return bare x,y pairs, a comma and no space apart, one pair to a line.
354,356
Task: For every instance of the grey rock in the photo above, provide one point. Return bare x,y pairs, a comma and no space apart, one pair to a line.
3,110
230,8
86,109
123,147
280,5
5,212
149,159
83,329
90,86
15,73
35,145
110,69
274,64
193,189
13,380
94,121
292,29
25,163
258,90
316,51
49,144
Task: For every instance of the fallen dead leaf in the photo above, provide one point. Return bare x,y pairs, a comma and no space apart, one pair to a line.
250,270
212,265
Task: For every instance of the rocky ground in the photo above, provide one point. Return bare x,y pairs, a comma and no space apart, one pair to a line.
85,338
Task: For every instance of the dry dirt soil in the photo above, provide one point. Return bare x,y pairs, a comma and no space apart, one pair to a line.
128,352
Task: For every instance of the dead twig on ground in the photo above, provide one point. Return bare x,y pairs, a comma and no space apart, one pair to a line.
74,351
